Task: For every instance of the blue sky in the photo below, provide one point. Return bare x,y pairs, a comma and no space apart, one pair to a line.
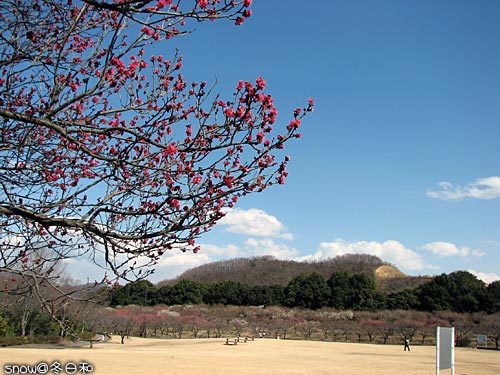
407,97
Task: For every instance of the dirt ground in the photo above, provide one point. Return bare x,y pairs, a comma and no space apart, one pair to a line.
262,356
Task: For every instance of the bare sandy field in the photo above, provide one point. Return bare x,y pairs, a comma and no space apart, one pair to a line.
262,356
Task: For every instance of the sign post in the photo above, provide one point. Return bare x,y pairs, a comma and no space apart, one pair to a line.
482,341
445,349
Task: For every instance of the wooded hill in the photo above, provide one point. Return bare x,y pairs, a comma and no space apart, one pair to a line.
267,270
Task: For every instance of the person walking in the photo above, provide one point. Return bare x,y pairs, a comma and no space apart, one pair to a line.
407,345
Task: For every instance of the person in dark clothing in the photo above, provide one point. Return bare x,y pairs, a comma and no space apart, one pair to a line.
407,345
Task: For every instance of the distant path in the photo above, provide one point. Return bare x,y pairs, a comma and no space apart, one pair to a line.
101,338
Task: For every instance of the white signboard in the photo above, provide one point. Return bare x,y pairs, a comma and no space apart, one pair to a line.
445,345
482,340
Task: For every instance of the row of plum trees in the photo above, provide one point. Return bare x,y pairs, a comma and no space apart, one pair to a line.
204,321
459,291
279,322
84,319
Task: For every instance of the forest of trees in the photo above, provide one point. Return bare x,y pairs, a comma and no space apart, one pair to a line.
458,291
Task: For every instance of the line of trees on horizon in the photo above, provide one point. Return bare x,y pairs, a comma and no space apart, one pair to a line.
205,321
458,291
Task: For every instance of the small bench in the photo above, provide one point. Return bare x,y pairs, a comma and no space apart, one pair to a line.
231,341
242,339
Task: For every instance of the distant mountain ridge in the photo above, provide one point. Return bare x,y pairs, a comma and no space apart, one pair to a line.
268,270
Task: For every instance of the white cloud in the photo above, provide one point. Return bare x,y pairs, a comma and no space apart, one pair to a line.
486,277
391,251
477,252
286,236
69,261
179,258
267,246
446,249
482,188
10,241
229,251
175,262
254,222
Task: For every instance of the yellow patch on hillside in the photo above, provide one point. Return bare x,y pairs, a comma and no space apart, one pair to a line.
388,272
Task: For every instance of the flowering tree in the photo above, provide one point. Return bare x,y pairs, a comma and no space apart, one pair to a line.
238,325
94,320
372,327
121,322
106,150
490,324
464,325
307,328
143,320
408,327
388,328
194,323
